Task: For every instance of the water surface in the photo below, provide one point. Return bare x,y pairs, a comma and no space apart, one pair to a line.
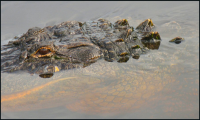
163,83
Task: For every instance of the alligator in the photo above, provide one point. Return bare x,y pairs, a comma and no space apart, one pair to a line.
74,44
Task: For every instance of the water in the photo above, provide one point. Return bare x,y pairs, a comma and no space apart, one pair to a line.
163,83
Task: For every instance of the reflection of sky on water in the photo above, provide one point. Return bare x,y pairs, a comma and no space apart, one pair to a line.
172,19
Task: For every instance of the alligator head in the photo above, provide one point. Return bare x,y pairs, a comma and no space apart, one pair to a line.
74,44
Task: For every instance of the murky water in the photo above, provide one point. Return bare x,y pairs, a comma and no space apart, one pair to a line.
163,83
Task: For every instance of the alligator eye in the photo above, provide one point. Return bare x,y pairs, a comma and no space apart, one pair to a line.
44,51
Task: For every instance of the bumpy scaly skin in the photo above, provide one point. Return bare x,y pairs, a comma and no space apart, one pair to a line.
74,44
145,26
177,40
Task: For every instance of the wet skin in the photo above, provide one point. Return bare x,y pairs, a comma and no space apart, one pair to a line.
74,44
